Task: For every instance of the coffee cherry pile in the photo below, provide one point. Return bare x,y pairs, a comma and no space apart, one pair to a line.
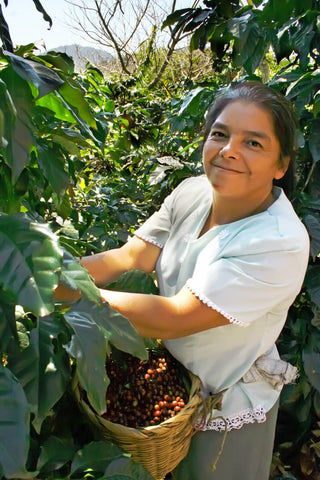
143,393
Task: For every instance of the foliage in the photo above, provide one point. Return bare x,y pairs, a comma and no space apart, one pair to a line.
84,160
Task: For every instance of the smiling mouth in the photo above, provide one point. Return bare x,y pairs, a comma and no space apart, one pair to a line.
227,169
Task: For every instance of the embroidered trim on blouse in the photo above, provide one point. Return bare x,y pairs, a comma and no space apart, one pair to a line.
237,421
212,305
150,240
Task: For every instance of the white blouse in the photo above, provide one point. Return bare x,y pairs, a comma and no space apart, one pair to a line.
250,271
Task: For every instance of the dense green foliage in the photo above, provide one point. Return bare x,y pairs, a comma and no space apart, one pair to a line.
84,160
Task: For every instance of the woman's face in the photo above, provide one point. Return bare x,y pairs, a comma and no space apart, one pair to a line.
241,155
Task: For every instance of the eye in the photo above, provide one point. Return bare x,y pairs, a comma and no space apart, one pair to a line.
254,143
217,134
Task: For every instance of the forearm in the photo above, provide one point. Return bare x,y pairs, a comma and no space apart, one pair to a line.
108,266
104,267
164,317
148,313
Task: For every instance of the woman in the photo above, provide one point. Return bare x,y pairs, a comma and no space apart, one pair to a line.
230,255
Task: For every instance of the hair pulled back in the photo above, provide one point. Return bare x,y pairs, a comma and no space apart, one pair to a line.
282,113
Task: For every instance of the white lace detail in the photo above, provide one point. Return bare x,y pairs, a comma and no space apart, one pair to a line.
237,421
150,240
212,305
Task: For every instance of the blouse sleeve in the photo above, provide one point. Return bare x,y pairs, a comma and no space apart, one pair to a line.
247,287
157,228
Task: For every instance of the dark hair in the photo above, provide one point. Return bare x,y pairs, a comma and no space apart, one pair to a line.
283,115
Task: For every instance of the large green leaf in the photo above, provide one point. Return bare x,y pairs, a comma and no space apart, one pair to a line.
30,257
57,106
116,328
75,276
24,364
52,164
89,347
72,94
135,281
312,283
119,331
124,468
54,366
14,426
313,226
55,453
20,140
42,368
7,325
314,140
4,33
95,456
45,79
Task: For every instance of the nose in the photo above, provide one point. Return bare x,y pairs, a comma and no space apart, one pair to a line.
230,149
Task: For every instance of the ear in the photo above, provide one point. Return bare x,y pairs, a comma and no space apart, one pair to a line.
283,167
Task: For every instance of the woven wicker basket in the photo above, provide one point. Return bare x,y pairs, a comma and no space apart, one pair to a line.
158,448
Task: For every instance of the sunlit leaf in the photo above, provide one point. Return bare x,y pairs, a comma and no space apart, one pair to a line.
45,79
72,93
31,258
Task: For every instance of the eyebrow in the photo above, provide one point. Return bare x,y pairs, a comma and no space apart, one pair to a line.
254,133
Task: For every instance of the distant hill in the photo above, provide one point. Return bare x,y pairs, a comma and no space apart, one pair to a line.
81,55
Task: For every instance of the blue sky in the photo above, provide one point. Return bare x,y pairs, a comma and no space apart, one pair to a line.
27,25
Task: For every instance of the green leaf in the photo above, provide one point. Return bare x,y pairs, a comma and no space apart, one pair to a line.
72,94
31,258
312,283
24,364
7,325
135,281
314,141
55,453
174,17
57,106
313,226
95,456
88,343
40,9
45,79
311,365
125,468
19,132
54,366
59,60
43,368
75,276
119,331
14,426
190,104
4,33
53,167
